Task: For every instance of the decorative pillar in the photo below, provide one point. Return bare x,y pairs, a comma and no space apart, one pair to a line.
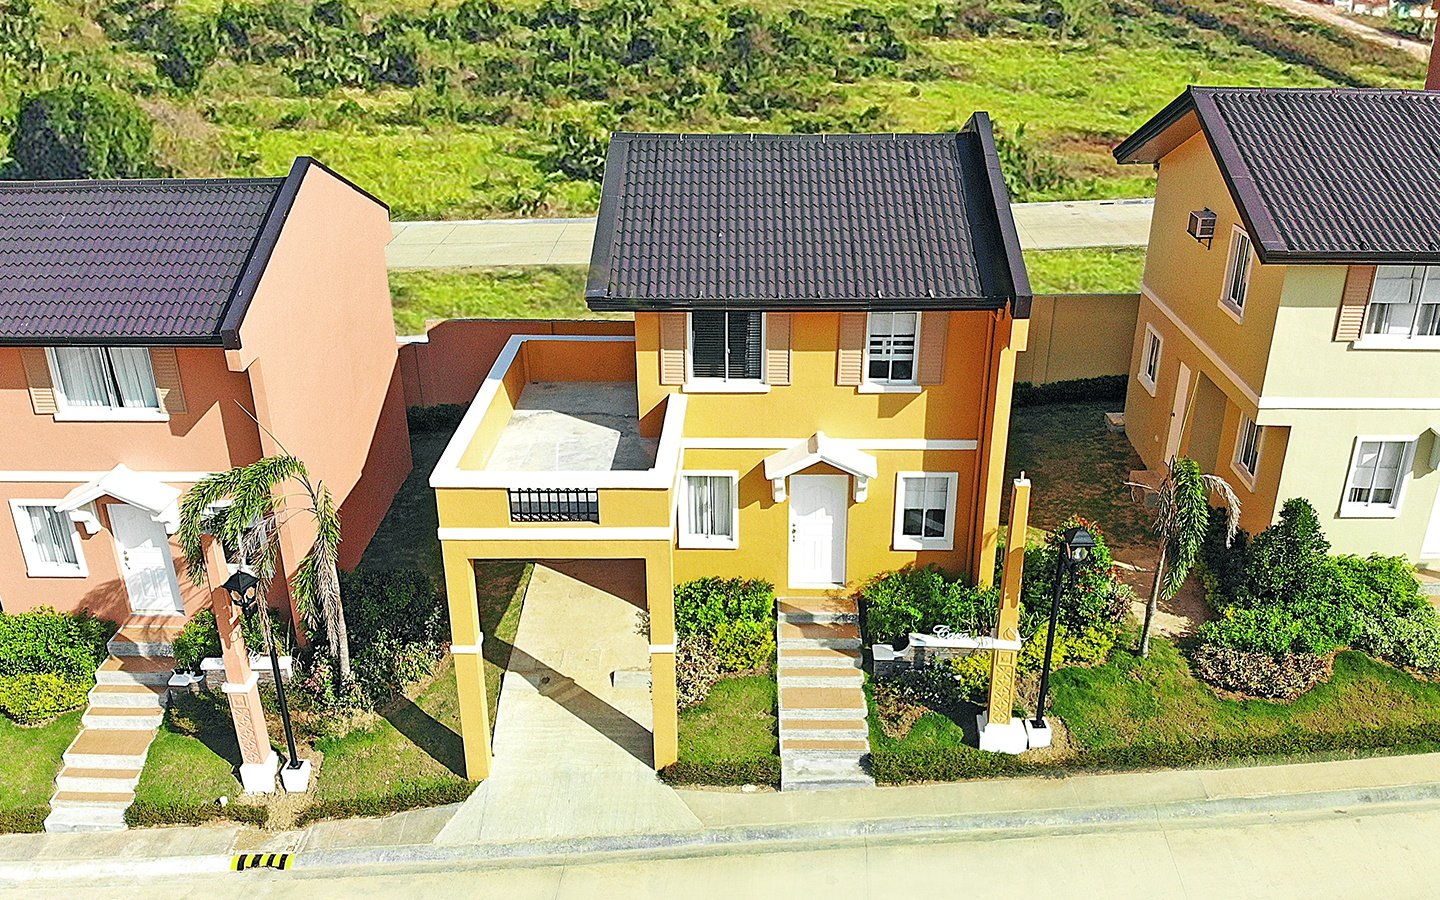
665,710
1000,732
258,760
466,642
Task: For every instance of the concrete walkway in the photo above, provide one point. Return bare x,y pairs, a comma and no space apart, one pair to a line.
566,242
572,737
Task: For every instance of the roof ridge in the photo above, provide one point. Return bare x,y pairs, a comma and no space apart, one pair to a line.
120,183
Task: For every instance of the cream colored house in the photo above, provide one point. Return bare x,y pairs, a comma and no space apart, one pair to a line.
1289,329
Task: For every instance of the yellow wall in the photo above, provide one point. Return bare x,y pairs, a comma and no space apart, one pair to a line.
1078,336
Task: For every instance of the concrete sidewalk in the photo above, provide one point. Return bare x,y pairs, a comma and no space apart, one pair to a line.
566,242
732,820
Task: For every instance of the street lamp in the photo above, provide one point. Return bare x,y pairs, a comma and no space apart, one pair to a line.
244,590
1075,546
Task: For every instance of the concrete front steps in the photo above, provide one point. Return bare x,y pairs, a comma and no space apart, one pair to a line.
824,738
102,765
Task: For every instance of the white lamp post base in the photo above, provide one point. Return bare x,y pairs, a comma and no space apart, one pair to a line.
1038,737
296,780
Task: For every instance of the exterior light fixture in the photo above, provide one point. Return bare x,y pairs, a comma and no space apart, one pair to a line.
1076,546
244,590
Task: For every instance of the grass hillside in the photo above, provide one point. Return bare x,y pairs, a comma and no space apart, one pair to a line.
467,108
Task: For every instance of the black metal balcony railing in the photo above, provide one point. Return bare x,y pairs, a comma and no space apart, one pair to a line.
554,505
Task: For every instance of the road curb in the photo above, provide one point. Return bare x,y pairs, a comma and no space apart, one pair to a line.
713,840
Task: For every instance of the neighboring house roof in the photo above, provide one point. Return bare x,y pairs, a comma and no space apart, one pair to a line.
1319,175
154,261
806,222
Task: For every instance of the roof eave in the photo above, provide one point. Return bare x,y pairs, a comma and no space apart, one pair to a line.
110,340
1140,148
597,280
774,304
260,252
999,197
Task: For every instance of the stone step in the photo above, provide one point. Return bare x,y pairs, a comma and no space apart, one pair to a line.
824,729
135,670
102,781
119,800
804,771
96,748
852,746
801,610
129,696
144,640
818,657
836,702
76,819
123,718
818,635
814,676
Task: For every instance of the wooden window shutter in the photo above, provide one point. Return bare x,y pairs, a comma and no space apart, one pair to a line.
37,377
850,356
672,347
167,379
934,336
1353,301
777,348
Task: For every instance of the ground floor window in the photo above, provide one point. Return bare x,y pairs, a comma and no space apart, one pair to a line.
1150,361
710,510
1247,448
48,539
1377,473
925,511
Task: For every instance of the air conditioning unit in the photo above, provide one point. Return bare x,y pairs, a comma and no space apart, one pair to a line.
1202,225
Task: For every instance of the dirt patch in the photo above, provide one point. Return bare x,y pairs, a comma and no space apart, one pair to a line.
1177,617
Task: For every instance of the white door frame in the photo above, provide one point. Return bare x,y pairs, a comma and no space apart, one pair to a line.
838,488
1430,549
135,527
1177,414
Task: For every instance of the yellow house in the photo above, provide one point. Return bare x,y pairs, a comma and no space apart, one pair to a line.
1289,328
817,387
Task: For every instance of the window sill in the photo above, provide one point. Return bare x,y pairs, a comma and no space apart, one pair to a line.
1369,512
111,415
699,543
906,543
1245,477
1235,312
1388,342
56,573
719,386
1149,386
873,387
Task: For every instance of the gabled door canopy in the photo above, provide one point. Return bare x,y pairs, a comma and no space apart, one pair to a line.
142,491
819,448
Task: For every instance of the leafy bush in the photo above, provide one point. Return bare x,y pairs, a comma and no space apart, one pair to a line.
577,149
1258,674
1093,597
200,639
759,770
33,698
144,813
743,645
915,600
705,603
407,796
44,641
1030,174
81,132
697,668
402,603
1077,390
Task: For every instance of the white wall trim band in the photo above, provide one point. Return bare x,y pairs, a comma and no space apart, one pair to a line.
1215,359
556,534
662,648
68,477
1393,403
767,443
240,687
466,649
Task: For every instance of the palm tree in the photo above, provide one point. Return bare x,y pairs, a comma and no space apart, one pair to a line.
246,507
1182,518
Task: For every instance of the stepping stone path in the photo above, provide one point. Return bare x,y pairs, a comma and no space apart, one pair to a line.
102,765
824,738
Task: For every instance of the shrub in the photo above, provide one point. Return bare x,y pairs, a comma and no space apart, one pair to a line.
1261,674
144,813
81,132
760,770
696,669
895,710
744,645
444,417
23,819
200,639
402,603
1077,390
71,645
408,796
33,698
1094,597
703,604
577,149
915,600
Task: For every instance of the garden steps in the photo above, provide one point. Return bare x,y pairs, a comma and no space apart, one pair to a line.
124,718
824,738
102,781
128,696
152,670
144,638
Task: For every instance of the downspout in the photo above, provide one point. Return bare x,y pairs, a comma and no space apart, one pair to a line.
982,467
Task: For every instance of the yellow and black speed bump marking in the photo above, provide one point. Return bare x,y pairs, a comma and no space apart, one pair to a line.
243,861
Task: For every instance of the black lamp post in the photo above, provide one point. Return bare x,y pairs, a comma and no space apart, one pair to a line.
1075,546
244,590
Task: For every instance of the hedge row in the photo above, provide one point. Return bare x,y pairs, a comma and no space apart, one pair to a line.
23,819
919,764
376,805
732,772
142,814
1078,390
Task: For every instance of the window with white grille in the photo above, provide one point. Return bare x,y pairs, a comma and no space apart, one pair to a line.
890,347
1404,302
48,540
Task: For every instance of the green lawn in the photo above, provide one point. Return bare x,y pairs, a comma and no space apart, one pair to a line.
540,292
736,721
407,535
1091,270
29,762
193,761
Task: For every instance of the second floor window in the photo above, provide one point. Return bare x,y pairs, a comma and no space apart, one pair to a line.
1237,273
725,345
890,347
1405,302
100,378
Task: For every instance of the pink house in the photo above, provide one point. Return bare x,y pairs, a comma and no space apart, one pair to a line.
152,332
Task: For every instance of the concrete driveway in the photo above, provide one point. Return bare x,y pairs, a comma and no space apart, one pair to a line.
572,745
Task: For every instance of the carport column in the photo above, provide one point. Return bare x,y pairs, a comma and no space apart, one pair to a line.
660,601
1000,731
258,761
465,646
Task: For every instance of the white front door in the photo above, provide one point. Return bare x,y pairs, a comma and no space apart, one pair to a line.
818,506
145,561
1177,413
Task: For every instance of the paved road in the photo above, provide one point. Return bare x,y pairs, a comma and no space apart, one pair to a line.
566,242
1355,852
1332,16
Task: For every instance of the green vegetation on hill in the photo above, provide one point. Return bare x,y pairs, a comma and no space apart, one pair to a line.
496,107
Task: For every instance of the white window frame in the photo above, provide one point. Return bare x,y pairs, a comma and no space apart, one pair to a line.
1372,340
870,386
902,541
725,385
1147,381
1350,510
65,412
1237,462
1237,312
36,567
689,540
